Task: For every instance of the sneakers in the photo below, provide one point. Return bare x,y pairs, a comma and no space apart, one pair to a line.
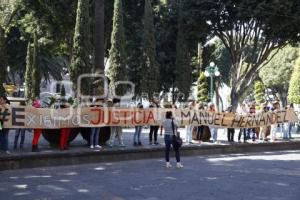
179,165
92,146
98,147
168,165
7,152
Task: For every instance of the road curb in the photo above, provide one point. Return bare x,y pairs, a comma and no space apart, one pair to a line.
47,159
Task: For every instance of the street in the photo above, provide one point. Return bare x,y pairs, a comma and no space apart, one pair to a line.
268,175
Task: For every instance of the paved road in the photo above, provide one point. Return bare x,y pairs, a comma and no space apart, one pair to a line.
273,176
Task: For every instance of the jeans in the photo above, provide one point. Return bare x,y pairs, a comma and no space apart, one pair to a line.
244,134
116,131
137,134
168,143
153,132
249,130
230,134
214,133
189,133
4,139
94,136
200,130
290,129
17,134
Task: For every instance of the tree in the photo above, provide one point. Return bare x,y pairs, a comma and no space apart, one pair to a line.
99,35
277,73
251,31
117,69
166,18
80,63
36,73
28,73
3,61
184,69
150,66
202,88
134,34
259,92
294,89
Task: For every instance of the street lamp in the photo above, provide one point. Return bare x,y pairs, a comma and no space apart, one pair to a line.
212,71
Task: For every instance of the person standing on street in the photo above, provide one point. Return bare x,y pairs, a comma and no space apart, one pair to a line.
170,127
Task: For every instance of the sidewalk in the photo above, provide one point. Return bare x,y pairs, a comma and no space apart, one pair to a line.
80,153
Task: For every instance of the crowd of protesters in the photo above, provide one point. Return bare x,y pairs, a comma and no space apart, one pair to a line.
191,131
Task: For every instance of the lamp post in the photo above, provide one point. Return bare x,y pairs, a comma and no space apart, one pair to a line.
212,71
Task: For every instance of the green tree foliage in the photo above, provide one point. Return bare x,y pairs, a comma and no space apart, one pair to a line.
269,27
28,73
202,88
80,63
221,57
134,34
3,61
259,92
294,89
166,33
117,69
183,61
36,72
150,66
277,73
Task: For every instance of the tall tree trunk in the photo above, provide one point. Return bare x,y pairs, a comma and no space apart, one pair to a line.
234,96
99,36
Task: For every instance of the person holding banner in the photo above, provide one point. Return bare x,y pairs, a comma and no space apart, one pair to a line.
189,128
95,131
252,111
20,132
213,130
153,129
242,111
230,131
200,129
64,134
170,127
275,127
138,131
4,103
263,129
36,132
116,131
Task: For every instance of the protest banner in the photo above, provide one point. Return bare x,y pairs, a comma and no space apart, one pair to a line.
45,118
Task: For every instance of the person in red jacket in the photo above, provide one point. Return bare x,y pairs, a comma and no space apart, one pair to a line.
36,132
